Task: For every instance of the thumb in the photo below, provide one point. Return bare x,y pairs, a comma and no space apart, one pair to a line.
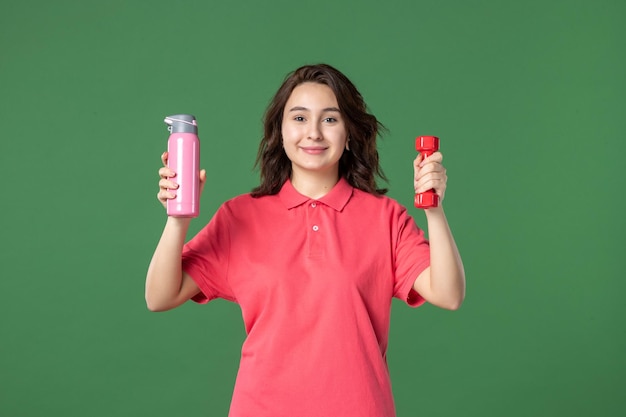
202,179
418,159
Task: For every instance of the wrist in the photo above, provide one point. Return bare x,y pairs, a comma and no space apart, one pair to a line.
435,214
434,211
178,222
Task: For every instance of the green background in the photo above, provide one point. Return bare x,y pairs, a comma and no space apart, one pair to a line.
527,97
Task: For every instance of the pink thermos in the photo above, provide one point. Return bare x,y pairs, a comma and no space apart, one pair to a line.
183,149
426,145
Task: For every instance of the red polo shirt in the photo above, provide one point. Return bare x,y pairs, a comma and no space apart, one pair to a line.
314,280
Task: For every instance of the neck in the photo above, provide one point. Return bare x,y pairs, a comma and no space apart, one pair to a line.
314,185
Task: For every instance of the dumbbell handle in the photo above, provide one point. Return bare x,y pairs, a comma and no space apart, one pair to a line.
426,145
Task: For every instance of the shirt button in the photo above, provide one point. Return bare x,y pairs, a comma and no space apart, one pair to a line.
315,228
313,205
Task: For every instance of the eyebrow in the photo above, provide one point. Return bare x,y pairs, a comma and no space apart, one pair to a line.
327,109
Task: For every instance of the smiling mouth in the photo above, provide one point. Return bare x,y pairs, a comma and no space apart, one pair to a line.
313,150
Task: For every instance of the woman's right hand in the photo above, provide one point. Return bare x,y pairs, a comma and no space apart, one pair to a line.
168,186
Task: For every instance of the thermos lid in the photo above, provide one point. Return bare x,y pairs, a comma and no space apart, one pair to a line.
182,123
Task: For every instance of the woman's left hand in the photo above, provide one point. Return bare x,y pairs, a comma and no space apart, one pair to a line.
430,174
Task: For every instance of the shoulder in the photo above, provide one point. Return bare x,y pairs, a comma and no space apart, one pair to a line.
244,200
244,205
236,204
364,200
379,210
239,200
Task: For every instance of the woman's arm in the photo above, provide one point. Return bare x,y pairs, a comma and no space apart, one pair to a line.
167,285
443,283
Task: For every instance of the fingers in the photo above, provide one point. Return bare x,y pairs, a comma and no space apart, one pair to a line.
420,161
165,172
165,183
431,181
202,179
429,174
417,161
165,190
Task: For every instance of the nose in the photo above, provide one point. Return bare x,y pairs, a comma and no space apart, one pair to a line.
314,132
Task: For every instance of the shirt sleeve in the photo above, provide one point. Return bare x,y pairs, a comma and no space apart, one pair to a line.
206,259
412,257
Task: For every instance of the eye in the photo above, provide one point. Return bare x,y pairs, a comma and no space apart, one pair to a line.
299,119
330,120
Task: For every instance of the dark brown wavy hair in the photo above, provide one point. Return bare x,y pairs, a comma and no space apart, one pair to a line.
359,166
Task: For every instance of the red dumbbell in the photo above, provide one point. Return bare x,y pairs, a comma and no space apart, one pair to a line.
426,145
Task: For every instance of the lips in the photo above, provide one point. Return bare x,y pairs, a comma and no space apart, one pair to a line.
314,150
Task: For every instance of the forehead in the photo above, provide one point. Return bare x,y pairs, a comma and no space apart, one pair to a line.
312,95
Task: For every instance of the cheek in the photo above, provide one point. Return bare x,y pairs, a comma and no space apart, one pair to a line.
340,137
289,133
287,139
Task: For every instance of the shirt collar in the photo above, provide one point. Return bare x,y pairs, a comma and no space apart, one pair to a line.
337,197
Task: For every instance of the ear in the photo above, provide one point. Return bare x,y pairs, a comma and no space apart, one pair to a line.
348,144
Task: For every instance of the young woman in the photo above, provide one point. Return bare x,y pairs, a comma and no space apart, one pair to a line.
313,256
